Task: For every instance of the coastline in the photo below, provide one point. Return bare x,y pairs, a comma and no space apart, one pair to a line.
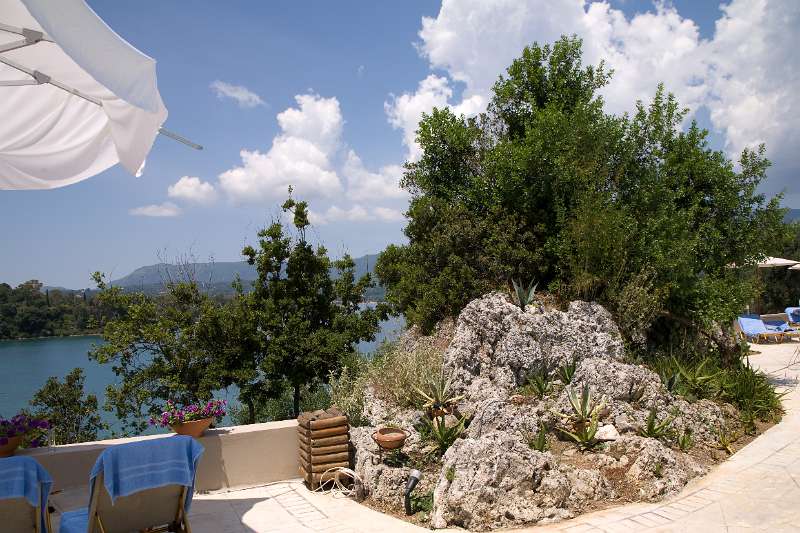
15,339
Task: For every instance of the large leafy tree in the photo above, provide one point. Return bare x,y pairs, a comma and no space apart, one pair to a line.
633,211
73,415
181,346
304,320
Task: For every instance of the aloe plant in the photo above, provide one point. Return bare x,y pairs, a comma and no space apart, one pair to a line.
583,433
695,380
566,372
583,407
537,383
685,440
725,439
441,435
537,441
635,391
655,429
524,296
439,394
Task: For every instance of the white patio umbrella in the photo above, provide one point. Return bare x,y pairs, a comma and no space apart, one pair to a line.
795,267
75,98
773,262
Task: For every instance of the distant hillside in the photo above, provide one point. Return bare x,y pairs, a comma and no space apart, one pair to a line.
216,277
792,214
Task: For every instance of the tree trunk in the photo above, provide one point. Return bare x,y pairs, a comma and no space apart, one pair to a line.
296,405
251,411
729,348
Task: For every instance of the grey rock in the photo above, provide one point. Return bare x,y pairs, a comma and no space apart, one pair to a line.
654,468
495,344
498,482
607,433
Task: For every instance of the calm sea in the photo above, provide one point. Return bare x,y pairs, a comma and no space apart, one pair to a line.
26,365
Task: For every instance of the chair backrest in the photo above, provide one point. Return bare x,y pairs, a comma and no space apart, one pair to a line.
19,516
148,508
752,326
775,318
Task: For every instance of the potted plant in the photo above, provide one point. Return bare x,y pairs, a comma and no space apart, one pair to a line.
438,400
21,430
192,419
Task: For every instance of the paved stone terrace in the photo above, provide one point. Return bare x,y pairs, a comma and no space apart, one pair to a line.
758,489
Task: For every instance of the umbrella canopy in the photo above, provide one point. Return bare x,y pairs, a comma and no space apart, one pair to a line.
795,267
75,98
772,262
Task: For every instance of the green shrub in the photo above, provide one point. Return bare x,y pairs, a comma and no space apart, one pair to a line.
583,433
347,391
537,441
654,429
537,382
440,434
685,440
566,372
524,296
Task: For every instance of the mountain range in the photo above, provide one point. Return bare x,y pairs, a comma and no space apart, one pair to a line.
216,277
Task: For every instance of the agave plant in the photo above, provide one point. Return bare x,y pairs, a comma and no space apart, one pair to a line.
443,436
584,434
537,441
566,372
685,440
695,380
439,397
537,382
654,429
523,296
583,408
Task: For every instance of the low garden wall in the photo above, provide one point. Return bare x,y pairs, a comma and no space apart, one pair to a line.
237,456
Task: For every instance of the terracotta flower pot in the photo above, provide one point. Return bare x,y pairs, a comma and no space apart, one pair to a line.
390,438
195,428
7,450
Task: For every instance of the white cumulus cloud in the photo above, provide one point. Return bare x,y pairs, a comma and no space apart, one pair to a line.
356,213
240,94
192,189
166,209
300,156
366,185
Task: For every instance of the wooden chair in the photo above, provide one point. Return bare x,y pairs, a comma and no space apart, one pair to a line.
17,515
153,510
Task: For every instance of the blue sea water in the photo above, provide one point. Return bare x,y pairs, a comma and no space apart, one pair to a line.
25,366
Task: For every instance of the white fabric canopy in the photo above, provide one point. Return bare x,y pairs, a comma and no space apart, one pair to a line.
49,137
771,262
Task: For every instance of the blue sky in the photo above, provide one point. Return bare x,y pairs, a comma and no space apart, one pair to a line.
362,75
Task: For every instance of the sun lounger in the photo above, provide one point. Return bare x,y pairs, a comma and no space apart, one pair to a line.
140,485
754,330
24,490
793,315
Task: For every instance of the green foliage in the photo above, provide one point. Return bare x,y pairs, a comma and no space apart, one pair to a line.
450,474
347,390
653,428
538,440
726,438
437,394
583,433
583,406
635,392
442,436
566,372
312,397
524,296
636,212
686,440
697,380
73,415
537,383
29,311
422,502
658,470
751,392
